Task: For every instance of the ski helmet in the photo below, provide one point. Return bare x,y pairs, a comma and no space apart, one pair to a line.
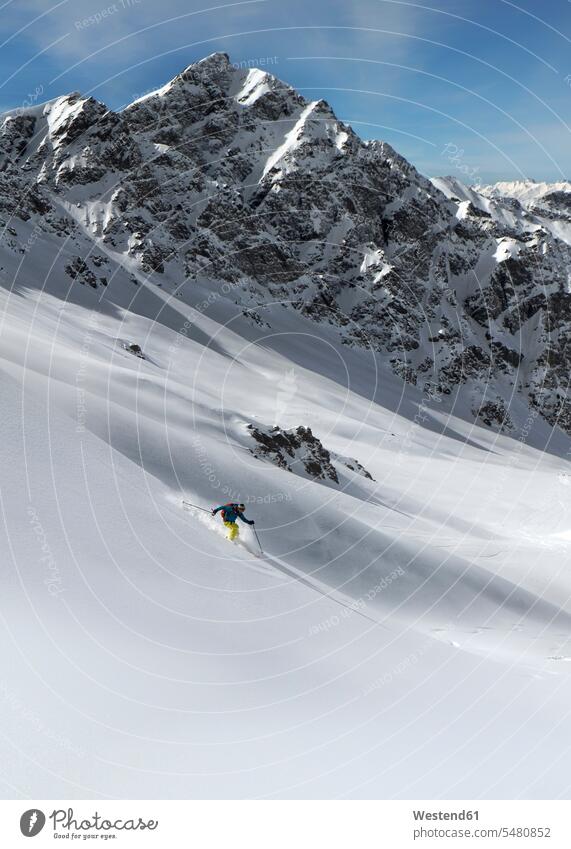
241,506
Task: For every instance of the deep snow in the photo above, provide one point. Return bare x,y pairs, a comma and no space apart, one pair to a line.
144,656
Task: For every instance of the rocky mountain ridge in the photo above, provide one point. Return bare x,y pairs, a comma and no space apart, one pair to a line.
299,451
230,178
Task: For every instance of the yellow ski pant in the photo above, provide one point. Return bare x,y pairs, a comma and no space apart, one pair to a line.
233,530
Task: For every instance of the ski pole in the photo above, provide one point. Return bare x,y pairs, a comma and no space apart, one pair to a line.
196,507
258,540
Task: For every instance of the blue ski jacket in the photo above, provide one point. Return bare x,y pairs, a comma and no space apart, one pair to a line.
231,512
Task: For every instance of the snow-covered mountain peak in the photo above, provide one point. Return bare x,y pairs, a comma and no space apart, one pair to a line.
255,84
249,85
39,134
215,69
71,115
217,61
229,175
222,81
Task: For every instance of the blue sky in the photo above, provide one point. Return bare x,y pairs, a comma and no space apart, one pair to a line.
481,90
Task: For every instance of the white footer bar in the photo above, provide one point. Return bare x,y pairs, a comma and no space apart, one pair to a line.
287,824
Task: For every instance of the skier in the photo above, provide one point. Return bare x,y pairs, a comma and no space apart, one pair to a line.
231,512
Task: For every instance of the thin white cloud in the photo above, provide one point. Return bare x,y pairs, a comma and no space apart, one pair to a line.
119,30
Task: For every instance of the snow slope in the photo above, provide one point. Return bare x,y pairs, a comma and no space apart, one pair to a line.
402,637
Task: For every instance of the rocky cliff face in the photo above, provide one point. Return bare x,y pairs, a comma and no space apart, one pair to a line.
298,450
230,175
